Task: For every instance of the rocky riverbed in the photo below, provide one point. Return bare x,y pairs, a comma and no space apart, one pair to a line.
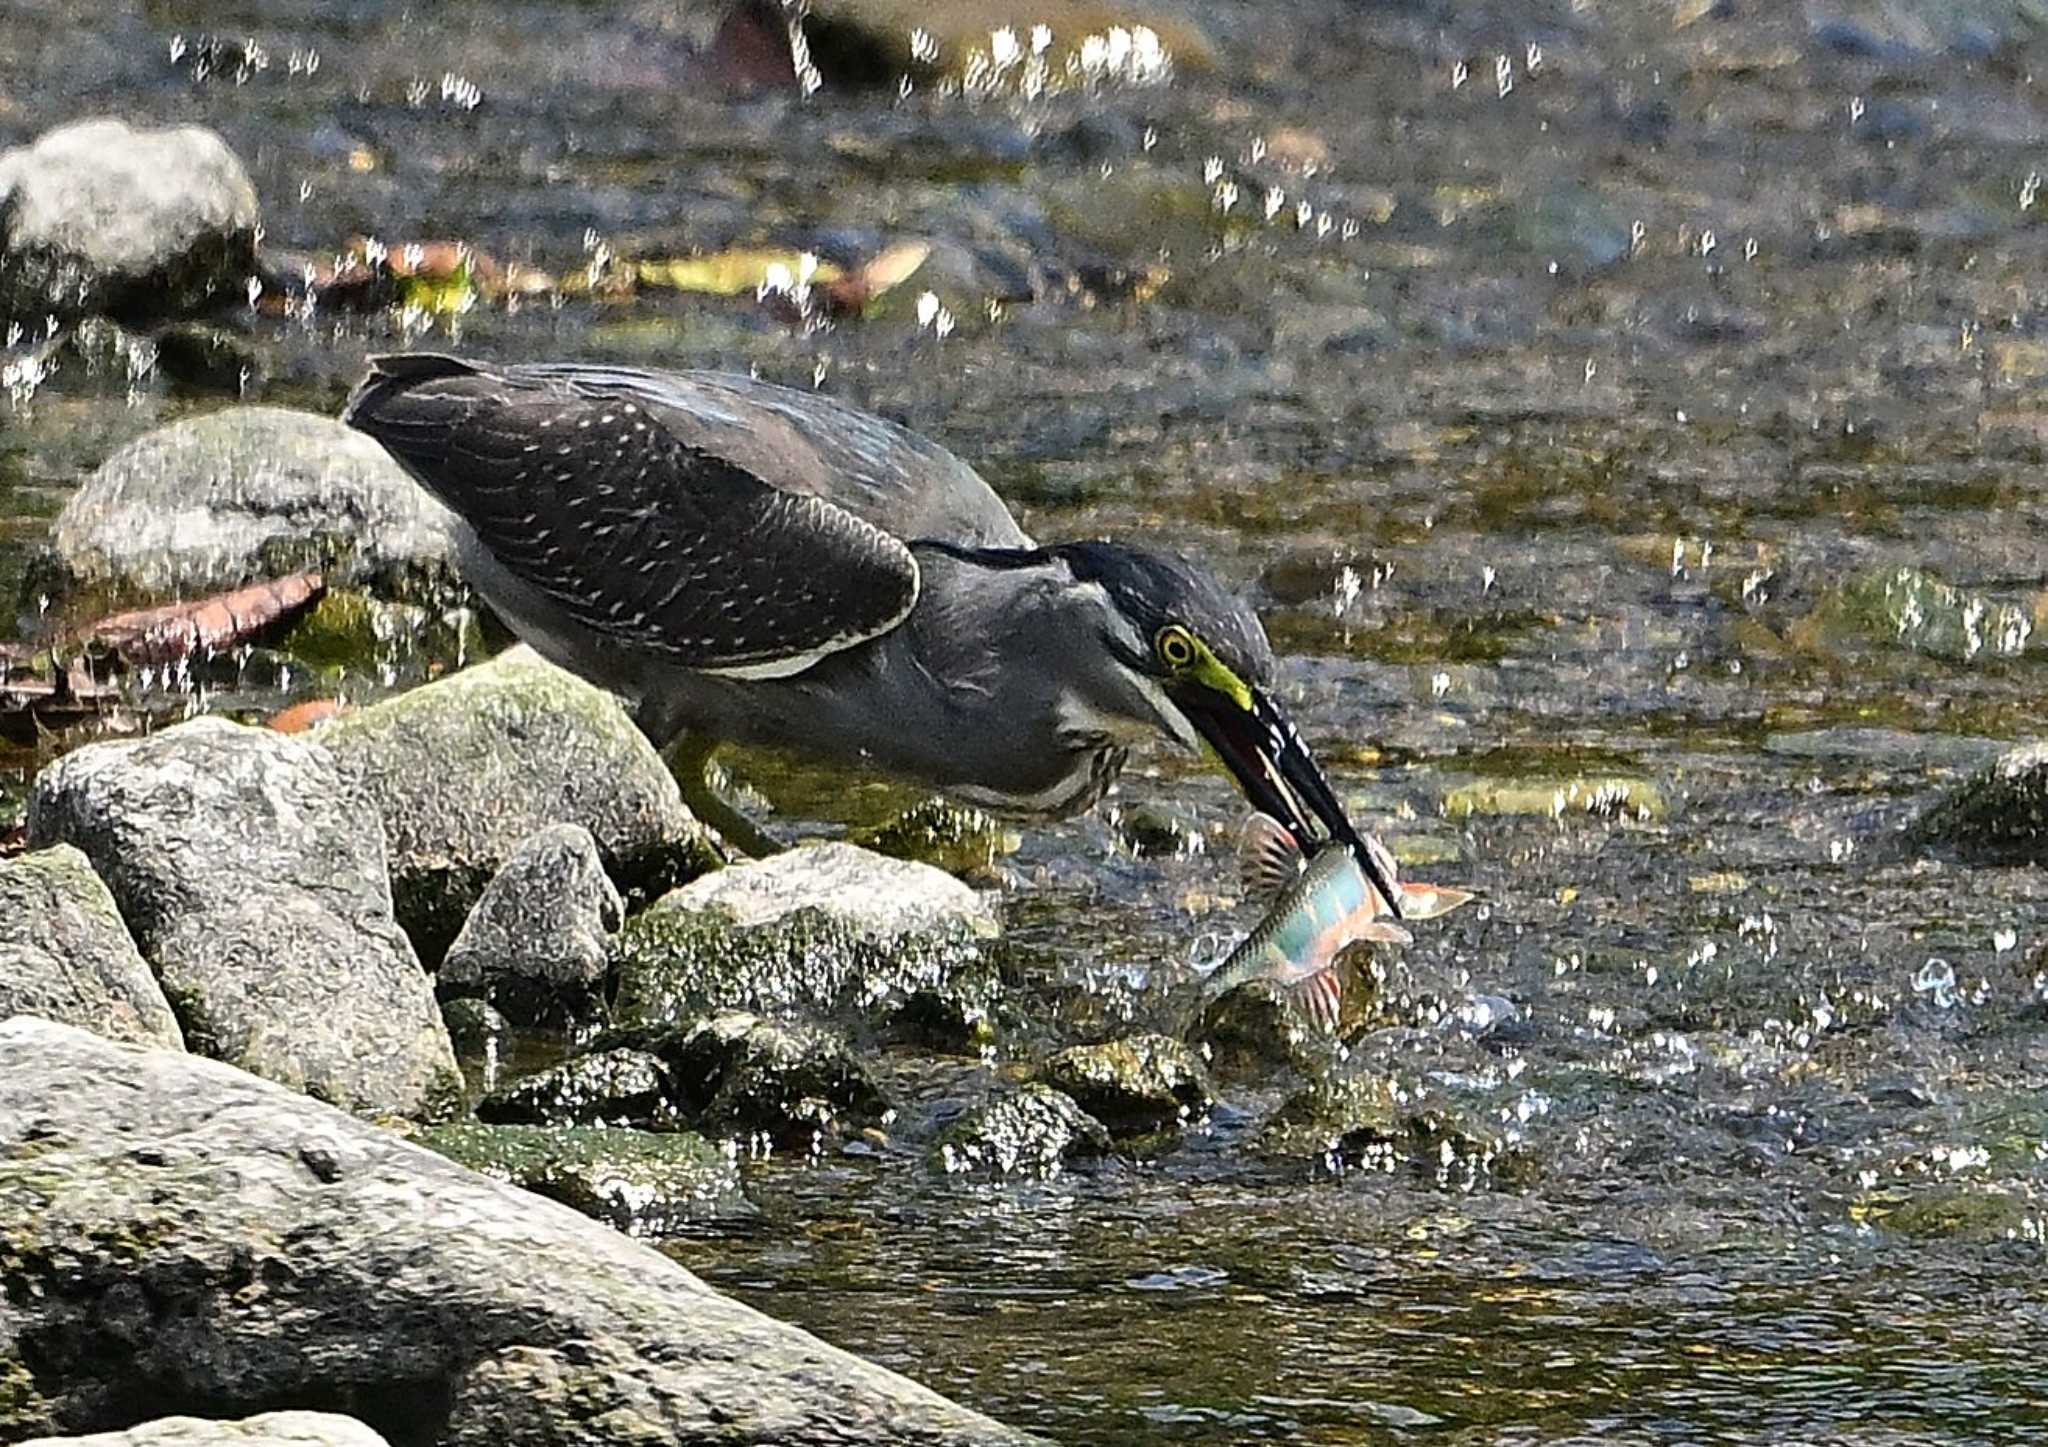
1626,417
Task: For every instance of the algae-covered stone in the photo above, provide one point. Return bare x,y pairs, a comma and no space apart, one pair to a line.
1356,1112
538,942
1945,1211
176,1230
1613,796
66,954
464,770
1914,608
101,217
1151,832
606,1087
1361,1116
830,928
737,1073
643,1183
1032,1130
213,502
351,631
1997,815
1137,1084
254,881
474,1025
269,1429
952,837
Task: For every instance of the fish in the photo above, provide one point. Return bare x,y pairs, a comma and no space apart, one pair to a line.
1321,906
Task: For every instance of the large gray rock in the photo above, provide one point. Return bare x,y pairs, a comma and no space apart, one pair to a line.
466,769
538,942
829,928
1998,815
213,502
177,1230
254,880
65,953
271,1429
98,216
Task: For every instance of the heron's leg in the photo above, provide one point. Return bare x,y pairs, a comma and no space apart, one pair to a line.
688,757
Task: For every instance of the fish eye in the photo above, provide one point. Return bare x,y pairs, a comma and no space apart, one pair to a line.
1176,646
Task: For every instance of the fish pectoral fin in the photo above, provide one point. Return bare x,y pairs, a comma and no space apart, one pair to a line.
1427,901
1269,859
1386,932
1319,996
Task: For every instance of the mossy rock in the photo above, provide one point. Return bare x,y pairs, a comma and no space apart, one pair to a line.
637,1182
606,1087
1033,1130
1135,1085
952,837
1611,796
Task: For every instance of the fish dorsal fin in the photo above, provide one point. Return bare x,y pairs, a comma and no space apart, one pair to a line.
1427,901
1268,856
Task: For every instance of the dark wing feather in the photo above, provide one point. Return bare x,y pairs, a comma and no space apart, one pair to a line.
636,536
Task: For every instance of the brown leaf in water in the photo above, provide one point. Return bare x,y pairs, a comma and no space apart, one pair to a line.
884,271
303,716
159,635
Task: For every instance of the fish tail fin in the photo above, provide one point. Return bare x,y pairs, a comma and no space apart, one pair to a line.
1269,858
1427,901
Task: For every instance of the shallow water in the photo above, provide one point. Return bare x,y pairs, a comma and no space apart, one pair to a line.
1526,495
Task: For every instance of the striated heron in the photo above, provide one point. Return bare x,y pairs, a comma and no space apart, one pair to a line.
754,564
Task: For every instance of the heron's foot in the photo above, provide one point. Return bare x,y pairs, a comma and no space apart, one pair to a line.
689,759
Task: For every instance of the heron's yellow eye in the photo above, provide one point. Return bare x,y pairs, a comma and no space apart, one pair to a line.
1176,646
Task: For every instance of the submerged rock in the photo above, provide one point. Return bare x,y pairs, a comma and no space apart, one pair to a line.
101,217
619,1087
1998,815
634,1181
217,501
1915,609
254,881
1615,796
66,954
537,942
1032,1130
271,1429
827,927
737,1073
1362,1118
177,1230
952,837
1134,1085
465,770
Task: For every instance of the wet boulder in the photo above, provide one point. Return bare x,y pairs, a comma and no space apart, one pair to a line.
270,1429
956,838
1135,1085
66,954
466,769
642,1183
254,881
1361,1118
1999,815
900,948
869,42
737,1074
176,1230
621,1087
100,217
246,493
1032,1130
537,943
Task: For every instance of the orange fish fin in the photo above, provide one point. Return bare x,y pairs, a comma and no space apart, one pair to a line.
1385,932
1320,997
1269,858
1427,901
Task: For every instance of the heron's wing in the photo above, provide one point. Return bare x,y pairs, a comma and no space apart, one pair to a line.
637,536
803,441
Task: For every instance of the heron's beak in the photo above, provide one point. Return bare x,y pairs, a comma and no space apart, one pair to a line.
1265,754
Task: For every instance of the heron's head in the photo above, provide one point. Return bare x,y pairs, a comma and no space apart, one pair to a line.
1196,658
